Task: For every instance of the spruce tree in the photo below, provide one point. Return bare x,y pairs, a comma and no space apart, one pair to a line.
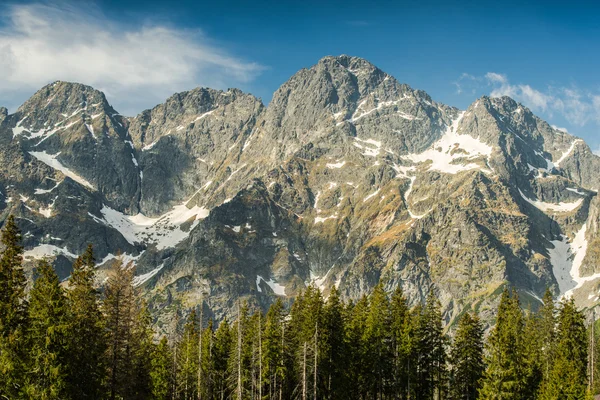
47,337
466,358
358,371
430,344
161,371
335,351
547,333
13,312
187,362
87,340
376,338
568,377
120,313
141,349
207,363
224,379
504,375
401,342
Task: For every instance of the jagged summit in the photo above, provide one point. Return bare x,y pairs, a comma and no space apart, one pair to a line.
347,178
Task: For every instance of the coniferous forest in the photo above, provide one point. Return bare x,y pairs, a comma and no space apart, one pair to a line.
71,341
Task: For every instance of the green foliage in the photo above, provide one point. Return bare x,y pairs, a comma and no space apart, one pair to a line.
505,374
48,331
87,369
69,344
567,378
161,371
466,358
13,312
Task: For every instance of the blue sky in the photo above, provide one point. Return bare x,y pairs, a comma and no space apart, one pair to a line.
139,52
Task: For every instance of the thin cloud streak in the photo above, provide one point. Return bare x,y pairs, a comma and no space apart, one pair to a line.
576,106
41,43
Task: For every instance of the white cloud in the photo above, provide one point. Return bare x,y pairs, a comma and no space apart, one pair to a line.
494,77
558,128
40,43
576,106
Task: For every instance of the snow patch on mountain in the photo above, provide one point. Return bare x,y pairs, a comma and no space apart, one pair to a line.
370,146
566,259
52,161
278,289
567,153
44,191
141,279
336,165
164,231
446,154
323,219
47,250
551,207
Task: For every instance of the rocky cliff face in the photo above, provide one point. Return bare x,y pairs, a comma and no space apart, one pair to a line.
347,178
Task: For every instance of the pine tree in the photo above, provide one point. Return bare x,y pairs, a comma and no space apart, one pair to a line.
13,307
87,369
207,363
568,377
161,371
430,342
377,335
47,337
13,312
119,311
141,349
466,357
335,352
357,350
532,355
401,343
504,376
224,344
547,331
188,358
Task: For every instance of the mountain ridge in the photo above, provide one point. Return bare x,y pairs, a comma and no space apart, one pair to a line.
361,178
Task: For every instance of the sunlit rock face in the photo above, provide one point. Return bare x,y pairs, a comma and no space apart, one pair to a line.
348,178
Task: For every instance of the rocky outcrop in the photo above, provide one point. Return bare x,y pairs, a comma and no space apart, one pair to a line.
347,178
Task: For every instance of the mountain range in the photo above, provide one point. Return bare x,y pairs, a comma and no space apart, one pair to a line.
348,178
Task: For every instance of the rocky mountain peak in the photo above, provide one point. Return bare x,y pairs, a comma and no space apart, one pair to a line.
346,178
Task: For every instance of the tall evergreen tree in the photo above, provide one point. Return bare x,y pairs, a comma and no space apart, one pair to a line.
272,354
47,337
223,377
355,332
87,369
141,348
187,362
119,311
568,377
376,338
466,358
430,342
504,376
547,333
335,351
13,312
401,342
207,363
161,372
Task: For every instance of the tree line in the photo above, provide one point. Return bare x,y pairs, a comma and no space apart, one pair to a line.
69,341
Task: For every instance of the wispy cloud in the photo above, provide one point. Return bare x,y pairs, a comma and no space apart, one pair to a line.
578,107
40,43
